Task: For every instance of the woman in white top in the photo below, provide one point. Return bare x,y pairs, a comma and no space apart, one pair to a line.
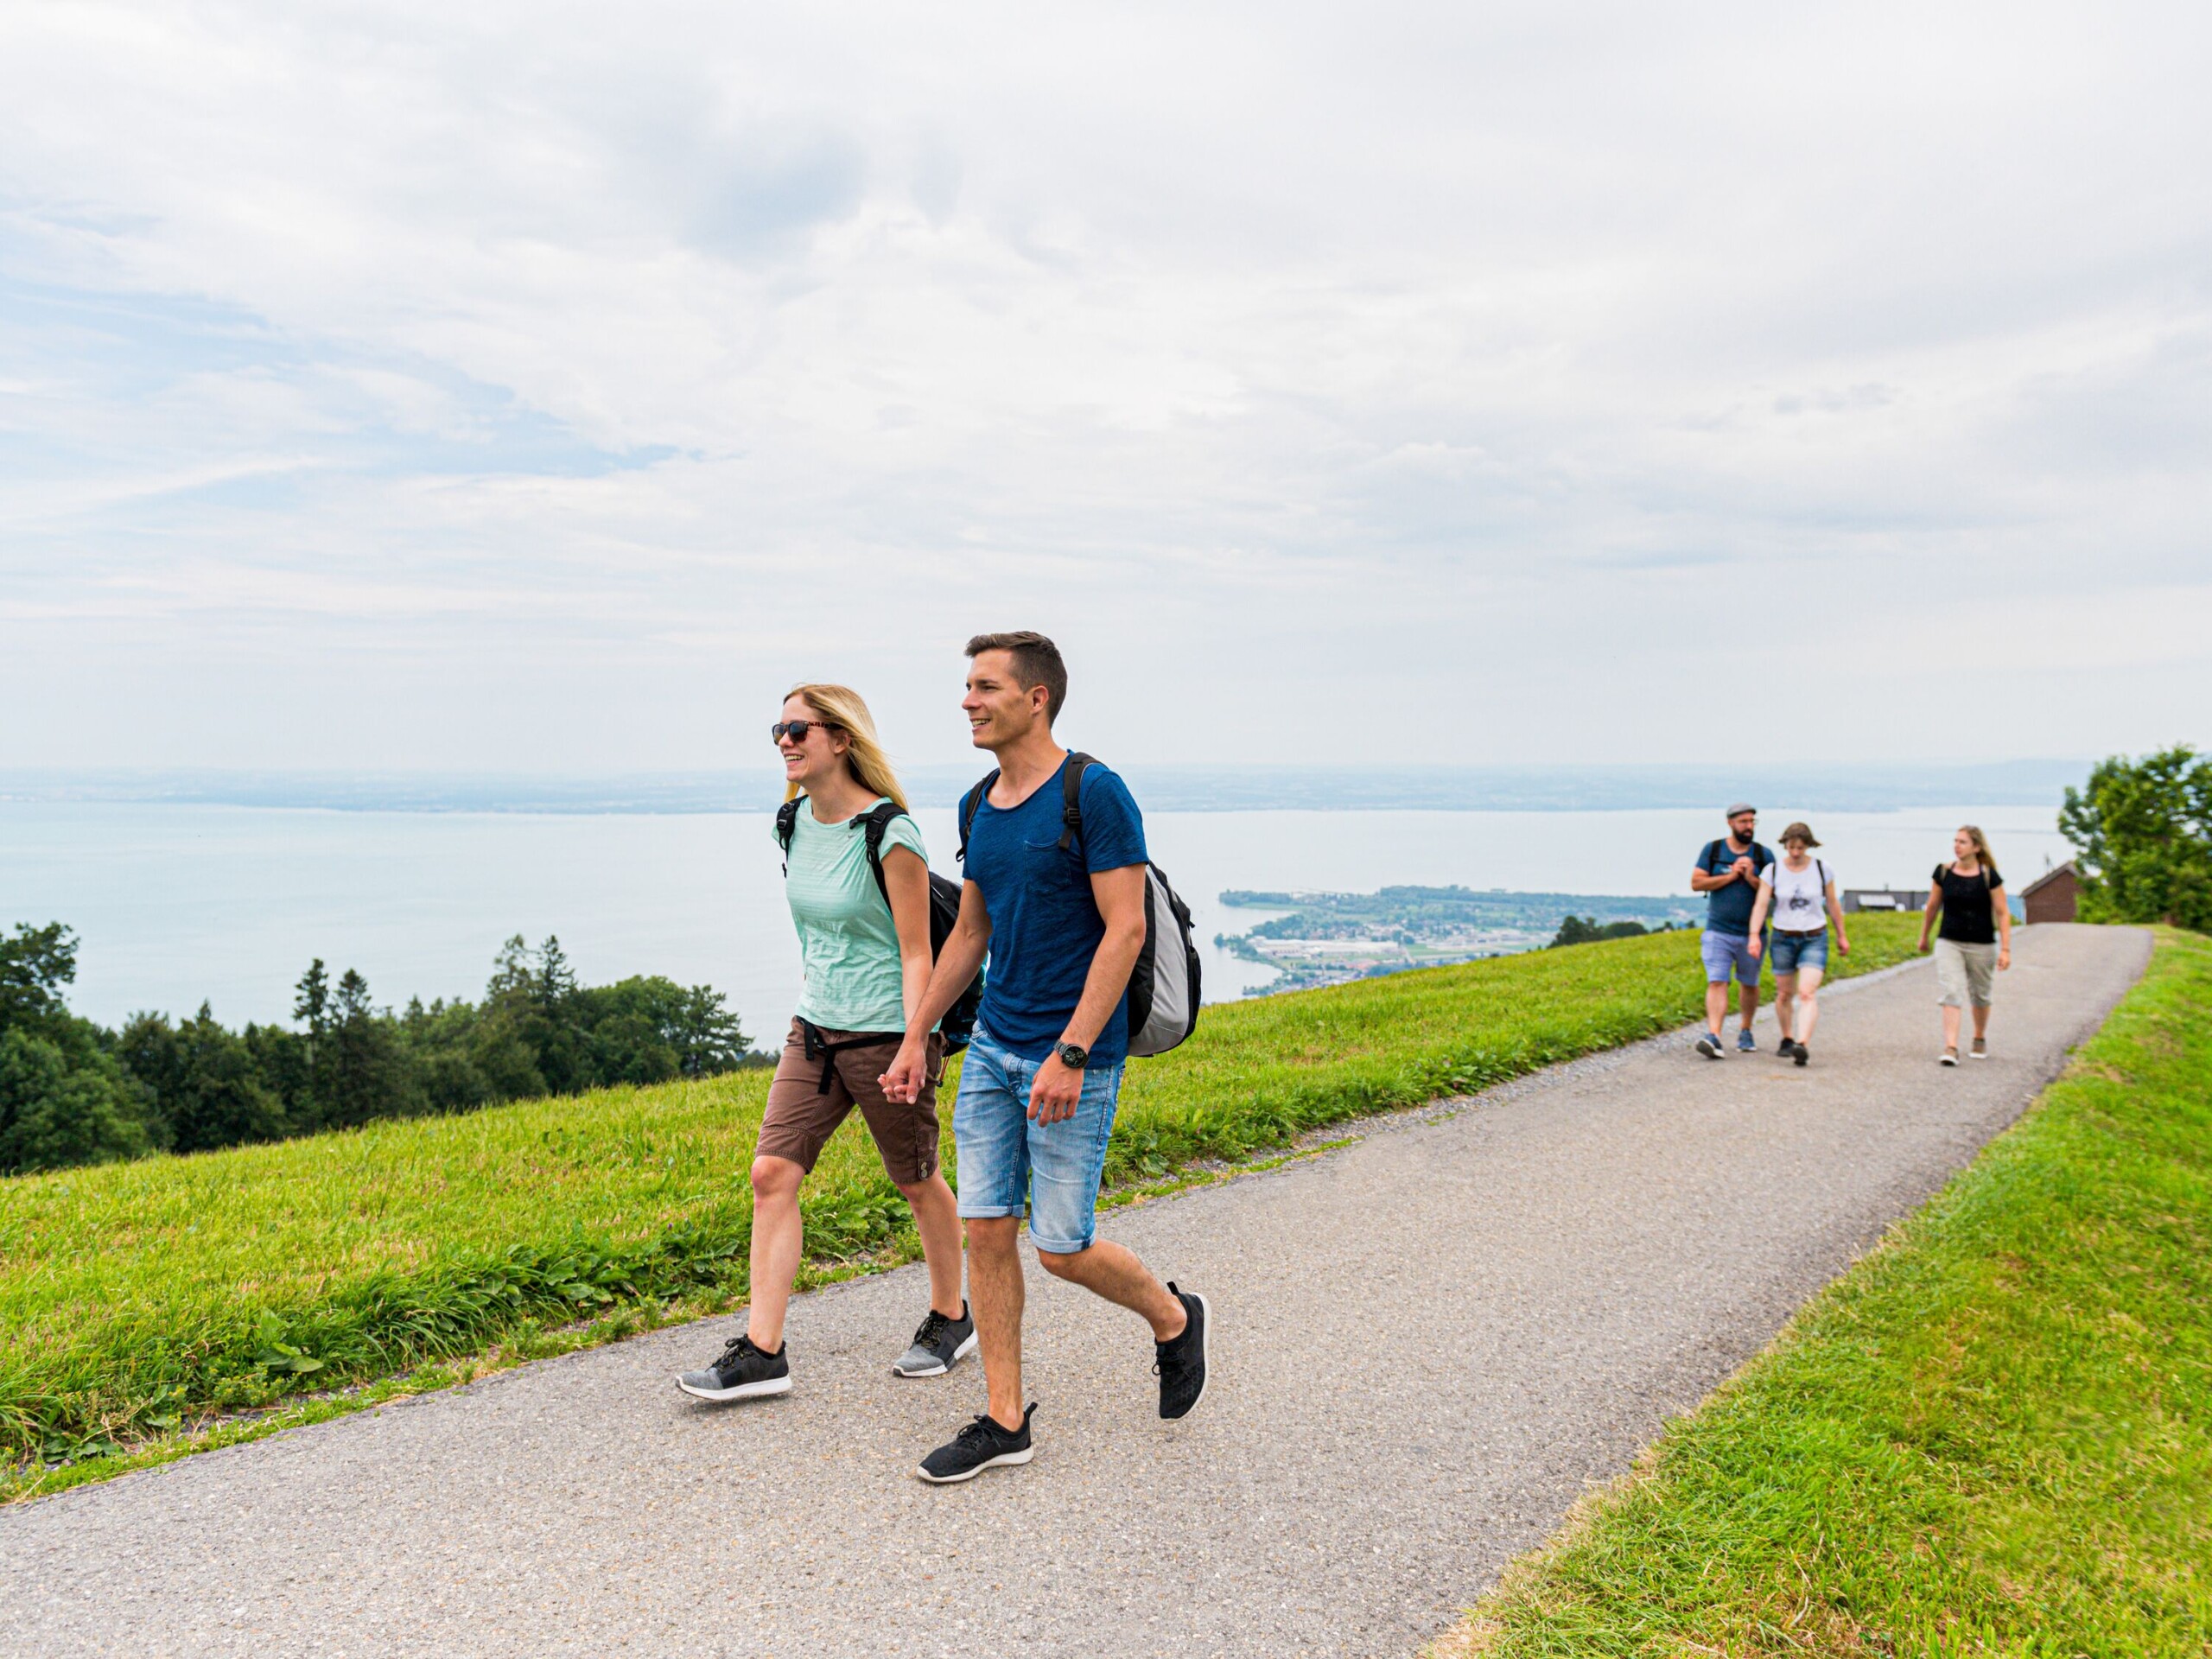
1798,890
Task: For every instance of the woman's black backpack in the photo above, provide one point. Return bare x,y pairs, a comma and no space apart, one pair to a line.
959,1022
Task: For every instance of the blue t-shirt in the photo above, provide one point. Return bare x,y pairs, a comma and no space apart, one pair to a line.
1728,910
1045,924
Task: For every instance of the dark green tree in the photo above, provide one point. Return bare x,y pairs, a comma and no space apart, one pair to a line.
207,1085
2142,834
362,1070
1585,929
36,963
59,1109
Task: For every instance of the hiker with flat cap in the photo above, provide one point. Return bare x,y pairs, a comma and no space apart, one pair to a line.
1727,873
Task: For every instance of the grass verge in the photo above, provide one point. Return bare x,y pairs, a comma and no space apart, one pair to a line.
141,1303
1993,1435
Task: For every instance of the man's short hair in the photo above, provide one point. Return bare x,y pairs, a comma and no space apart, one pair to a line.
1036,661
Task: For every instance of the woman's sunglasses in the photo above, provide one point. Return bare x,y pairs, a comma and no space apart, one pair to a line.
797,729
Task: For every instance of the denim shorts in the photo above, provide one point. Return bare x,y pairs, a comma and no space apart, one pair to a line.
1722,952
1794,950
1007,1161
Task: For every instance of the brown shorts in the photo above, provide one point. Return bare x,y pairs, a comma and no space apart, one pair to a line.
801,1114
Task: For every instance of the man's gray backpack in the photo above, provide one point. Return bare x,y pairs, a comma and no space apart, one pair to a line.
1164,985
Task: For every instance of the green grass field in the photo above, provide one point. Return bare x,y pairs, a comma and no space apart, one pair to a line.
139,1300
1992,1436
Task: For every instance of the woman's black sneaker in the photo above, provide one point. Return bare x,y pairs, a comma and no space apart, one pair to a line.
940,1345
1801,1052
982,1445
743,1372
1181,1364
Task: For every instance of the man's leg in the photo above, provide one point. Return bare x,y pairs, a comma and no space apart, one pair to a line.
1108,1269
995,1293
1747,1001
991,1127
1716,1005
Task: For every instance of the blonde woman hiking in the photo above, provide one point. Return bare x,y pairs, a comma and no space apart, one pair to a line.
858,883
1975,942
1798,892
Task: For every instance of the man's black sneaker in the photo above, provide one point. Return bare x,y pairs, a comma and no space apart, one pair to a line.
1800,1053
940,1345
743,1372
1182,1363
982,1445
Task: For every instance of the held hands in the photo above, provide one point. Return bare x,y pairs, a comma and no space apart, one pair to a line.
903,1082
1055,1093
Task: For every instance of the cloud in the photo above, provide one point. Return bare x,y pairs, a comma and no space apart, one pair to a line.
1554,384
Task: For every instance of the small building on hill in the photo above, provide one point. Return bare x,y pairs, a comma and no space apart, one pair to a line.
1882,899
2052,896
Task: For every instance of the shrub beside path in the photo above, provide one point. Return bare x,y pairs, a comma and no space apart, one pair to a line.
1430,1342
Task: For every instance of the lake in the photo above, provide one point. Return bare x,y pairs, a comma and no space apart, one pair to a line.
177,903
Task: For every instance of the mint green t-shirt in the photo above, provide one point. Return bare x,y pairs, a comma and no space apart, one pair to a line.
846,939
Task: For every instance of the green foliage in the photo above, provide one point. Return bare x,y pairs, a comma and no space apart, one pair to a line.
58,1109
2143,831
139,1291
1587,929
86,1095
1993,1435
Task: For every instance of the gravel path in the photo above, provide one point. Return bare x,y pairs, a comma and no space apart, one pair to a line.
1428,1343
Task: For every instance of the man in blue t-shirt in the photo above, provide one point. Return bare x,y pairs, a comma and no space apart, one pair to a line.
1727,873
1055,893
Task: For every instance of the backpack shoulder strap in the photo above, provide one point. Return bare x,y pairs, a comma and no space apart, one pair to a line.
874,828
1071,797
1705,858
786,827
968,808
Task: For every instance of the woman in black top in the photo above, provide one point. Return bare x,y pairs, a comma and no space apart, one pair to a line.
1971,895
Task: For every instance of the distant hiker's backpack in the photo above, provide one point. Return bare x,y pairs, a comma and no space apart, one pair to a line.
959,1022
1164,985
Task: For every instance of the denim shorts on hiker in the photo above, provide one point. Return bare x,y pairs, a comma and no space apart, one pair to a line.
1725,951
1007,1161
1791,951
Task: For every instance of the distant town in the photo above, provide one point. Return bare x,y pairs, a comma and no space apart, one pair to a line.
1327,938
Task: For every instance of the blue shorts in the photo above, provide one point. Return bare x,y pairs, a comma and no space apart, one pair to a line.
1008,1162
1725,951
1794,950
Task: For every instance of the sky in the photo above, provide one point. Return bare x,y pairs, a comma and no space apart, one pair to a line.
545,387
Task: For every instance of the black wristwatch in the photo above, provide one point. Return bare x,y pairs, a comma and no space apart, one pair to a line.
1071,1056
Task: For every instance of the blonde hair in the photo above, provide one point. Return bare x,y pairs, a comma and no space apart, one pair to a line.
1983,856
841,707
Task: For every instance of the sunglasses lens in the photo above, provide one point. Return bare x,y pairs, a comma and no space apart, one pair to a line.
794,729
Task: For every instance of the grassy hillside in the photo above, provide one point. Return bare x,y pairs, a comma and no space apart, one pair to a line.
1992,1436
136,1299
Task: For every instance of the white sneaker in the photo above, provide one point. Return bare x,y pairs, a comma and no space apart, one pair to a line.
1950,1058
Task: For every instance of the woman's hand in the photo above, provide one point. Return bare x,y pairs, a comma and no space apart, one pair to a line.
1924,944
1755,946
903,1082
2004,957
1842,945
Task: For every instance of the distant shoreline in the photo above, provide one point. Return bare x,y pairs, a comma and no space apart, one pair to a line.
1166,788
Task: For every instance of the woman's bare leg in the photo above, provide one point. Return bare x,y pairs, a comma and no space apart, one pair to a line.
1981,1021
1950,1026
777,1238
937,1218
1785,998
1808,1003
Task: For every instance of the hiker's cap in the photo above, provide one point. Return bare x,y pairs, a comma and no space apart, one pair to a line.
1740,808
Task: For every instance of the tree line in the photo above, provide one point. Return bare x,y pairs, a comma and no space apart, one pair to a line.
72,1091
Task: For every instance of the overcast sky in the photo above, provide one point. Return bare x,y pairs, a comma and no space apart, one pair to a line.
546,387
